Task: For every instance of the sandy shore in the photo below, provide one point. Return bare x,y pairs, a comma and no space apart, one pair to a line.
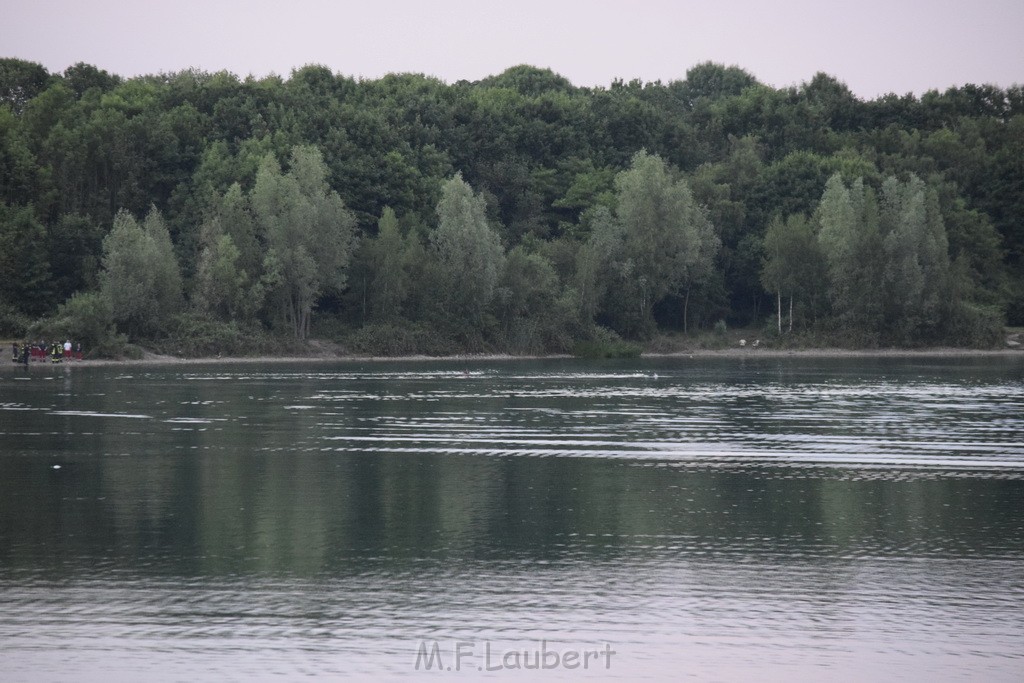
152,359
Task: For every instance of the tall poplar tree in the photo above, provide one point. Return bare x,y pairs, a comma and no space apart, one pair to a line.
794,265
916,258
24,271
468,249
140,276
308,232
848,233
660,242
220,285
387,260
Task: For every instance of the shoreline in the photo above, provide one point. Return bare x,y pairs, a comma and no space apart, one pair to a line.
155,360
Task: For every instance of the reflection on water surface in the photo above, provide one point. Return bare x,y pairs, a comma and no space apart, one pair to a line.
727,519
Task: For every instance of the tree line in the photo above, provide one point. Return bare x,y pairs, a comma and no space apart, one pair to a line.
519,213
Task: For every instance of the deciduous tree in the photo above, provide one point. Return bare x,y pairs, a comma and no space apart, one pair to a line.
469,251
308,232
667,238
794,265
140,276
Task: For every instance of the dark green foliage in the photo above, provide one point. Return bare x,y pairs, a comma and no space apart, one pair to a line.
74,244
88,318
20,81
794,268
140,278
533,314
529,81
82,77
24,268
402,339
604,343
975,326
308,233
469,252
192,336
558,223
658,242
709,81
13,323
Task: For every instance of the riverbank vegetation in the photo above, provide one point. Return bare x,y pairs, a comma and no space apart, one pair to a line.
198,213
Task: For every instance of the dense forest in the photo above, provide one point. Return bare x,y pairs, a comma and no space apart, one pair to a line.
200,212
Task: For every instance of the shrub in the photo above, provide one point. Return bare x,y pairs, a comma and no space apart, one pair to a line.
975,325
12,322
605,344
86,317
402,339
193,335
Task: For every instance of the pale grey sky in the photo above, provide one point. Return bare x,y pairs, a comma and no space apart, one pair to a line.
874,46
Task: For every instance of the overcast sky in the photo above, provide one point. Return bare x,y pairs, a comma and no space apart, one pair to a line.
874,46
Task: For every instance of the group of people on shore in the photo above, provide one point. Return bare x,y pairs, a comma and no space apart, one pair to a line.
41,351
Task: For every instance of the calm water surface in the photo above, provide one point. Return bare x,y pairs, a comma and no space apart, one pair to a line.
761,519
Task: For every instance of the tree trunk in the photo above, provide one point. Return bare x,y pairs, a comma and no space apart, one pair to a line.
293,314
686,312
780,311
790,312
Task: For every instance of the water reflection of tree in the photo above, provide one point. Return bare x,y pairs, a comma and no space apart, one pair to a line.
262,488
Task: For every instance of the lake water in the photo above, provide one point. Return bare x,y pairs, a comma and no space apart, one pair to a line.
701,519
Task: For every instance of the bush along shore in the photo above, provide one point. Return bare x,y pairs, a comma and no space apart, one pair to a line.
739,343
197,215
